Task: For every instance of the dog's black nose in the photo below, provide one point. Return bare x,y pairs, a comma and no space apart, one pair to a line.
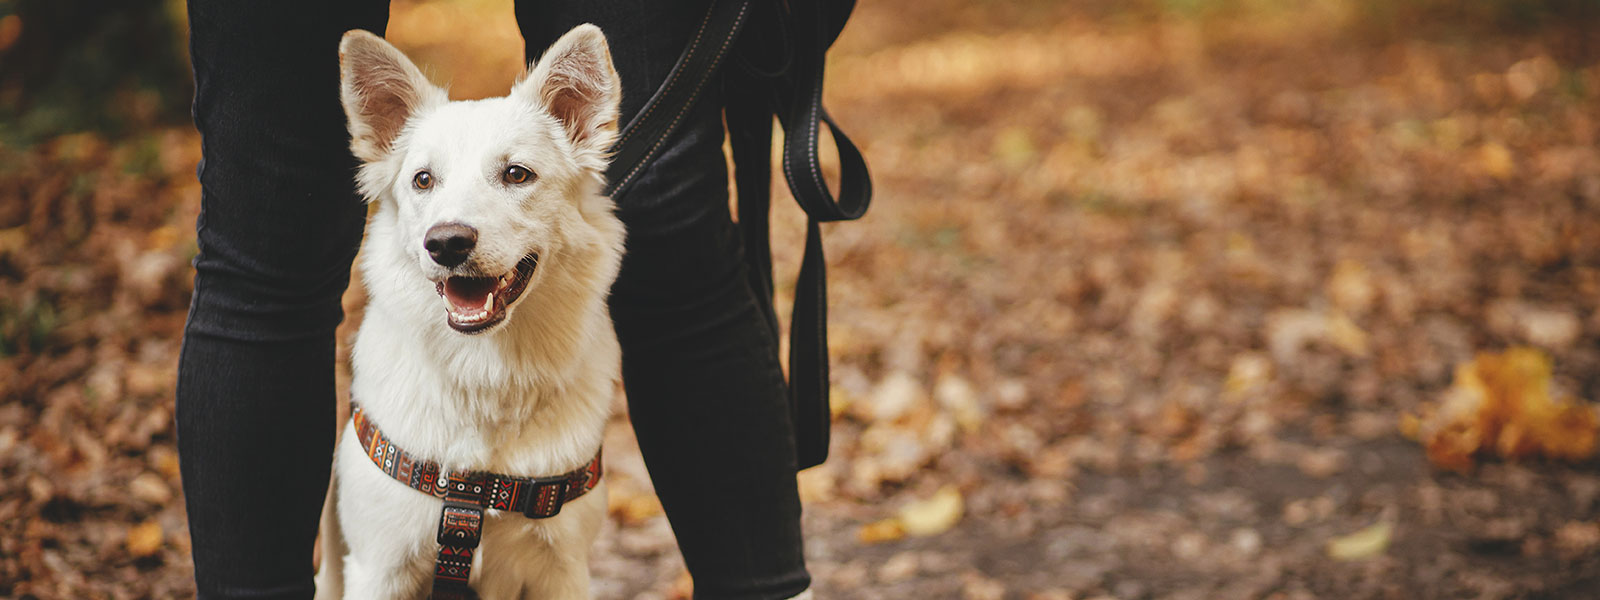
450,243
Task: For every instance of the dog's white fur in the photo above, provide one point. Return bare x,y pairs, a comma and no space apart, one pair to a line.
530,396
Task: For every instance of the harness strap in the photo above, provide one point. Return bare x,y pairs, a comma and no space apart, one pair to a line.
466,494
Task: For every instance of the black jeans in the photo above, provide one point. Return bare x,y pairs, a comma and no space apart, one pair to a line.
280,224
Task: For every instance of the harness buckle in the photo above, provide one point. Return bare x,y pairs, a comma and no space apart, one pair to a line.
547,500
460,525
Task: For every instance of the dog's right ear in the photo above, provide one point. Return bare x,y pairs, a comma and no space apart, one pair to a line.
380,89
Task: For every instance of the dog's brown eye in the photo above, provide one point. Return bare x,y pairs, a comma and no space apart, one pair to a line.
516,174
422,180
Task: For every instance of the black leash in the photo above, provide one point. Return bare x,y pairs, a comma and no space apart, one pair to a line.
639,142
782,54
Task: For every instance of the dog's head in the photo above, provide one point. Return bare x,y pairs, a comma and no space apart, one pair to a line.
482,201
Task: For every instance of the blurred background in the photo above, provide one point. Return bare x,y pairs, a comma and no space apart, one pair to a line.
1160,299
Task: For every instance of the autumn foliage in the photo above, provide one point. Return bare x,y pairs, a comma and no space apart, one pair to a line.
1144,292
1502,404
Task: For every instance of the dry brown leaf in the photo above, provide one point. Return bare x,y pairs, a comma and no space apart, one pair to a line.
1577,538
1502,404
682,587
977,586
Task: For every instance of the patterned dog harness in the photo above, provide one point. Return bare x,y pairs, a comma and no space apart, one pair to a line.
466,495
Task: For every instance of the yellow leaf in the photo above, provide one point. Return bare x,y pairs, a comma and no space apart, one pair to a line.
1410,426
13,240
1366,543
145,539
934,515
150,488
1345,334
887,530
1248,372
816,484
1495,159
163,237
840,401
1351,286
1014,146
632,506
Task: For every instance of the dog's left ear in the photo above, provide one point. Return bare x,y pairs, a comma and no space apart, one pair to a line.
576,82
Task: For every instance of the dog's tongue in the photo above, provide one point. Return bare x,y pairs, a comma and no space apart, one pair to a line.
469,293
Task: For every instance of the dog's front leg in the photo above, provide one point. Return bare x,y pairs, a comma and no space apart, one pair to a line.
365,581
547,559
542,575
330,574
388,528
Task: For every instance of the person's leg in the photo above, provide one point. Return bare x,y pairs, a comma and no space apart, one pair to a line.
279,226
705,390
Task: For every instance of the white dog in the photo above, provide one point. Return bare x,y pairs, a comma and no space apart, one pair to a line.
486,346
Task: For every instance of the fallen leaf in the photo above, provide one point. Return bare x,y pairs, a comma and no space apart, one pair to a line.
899,394
816,484
1577,538
145,539
935,515
40,489
1014,146
1502,404
632,506
1366,543
1346,335
887,530
151,488
682,587
900,567
1249,371
13,240
958,398
977,586
1495,159
1351,286
839,401
165,460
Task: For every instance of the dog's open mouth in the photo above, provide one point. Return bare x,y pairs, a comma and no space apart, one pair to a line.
474,304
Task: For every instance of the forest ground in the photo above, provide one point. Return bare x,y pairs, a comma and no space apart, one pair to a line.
1141,307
